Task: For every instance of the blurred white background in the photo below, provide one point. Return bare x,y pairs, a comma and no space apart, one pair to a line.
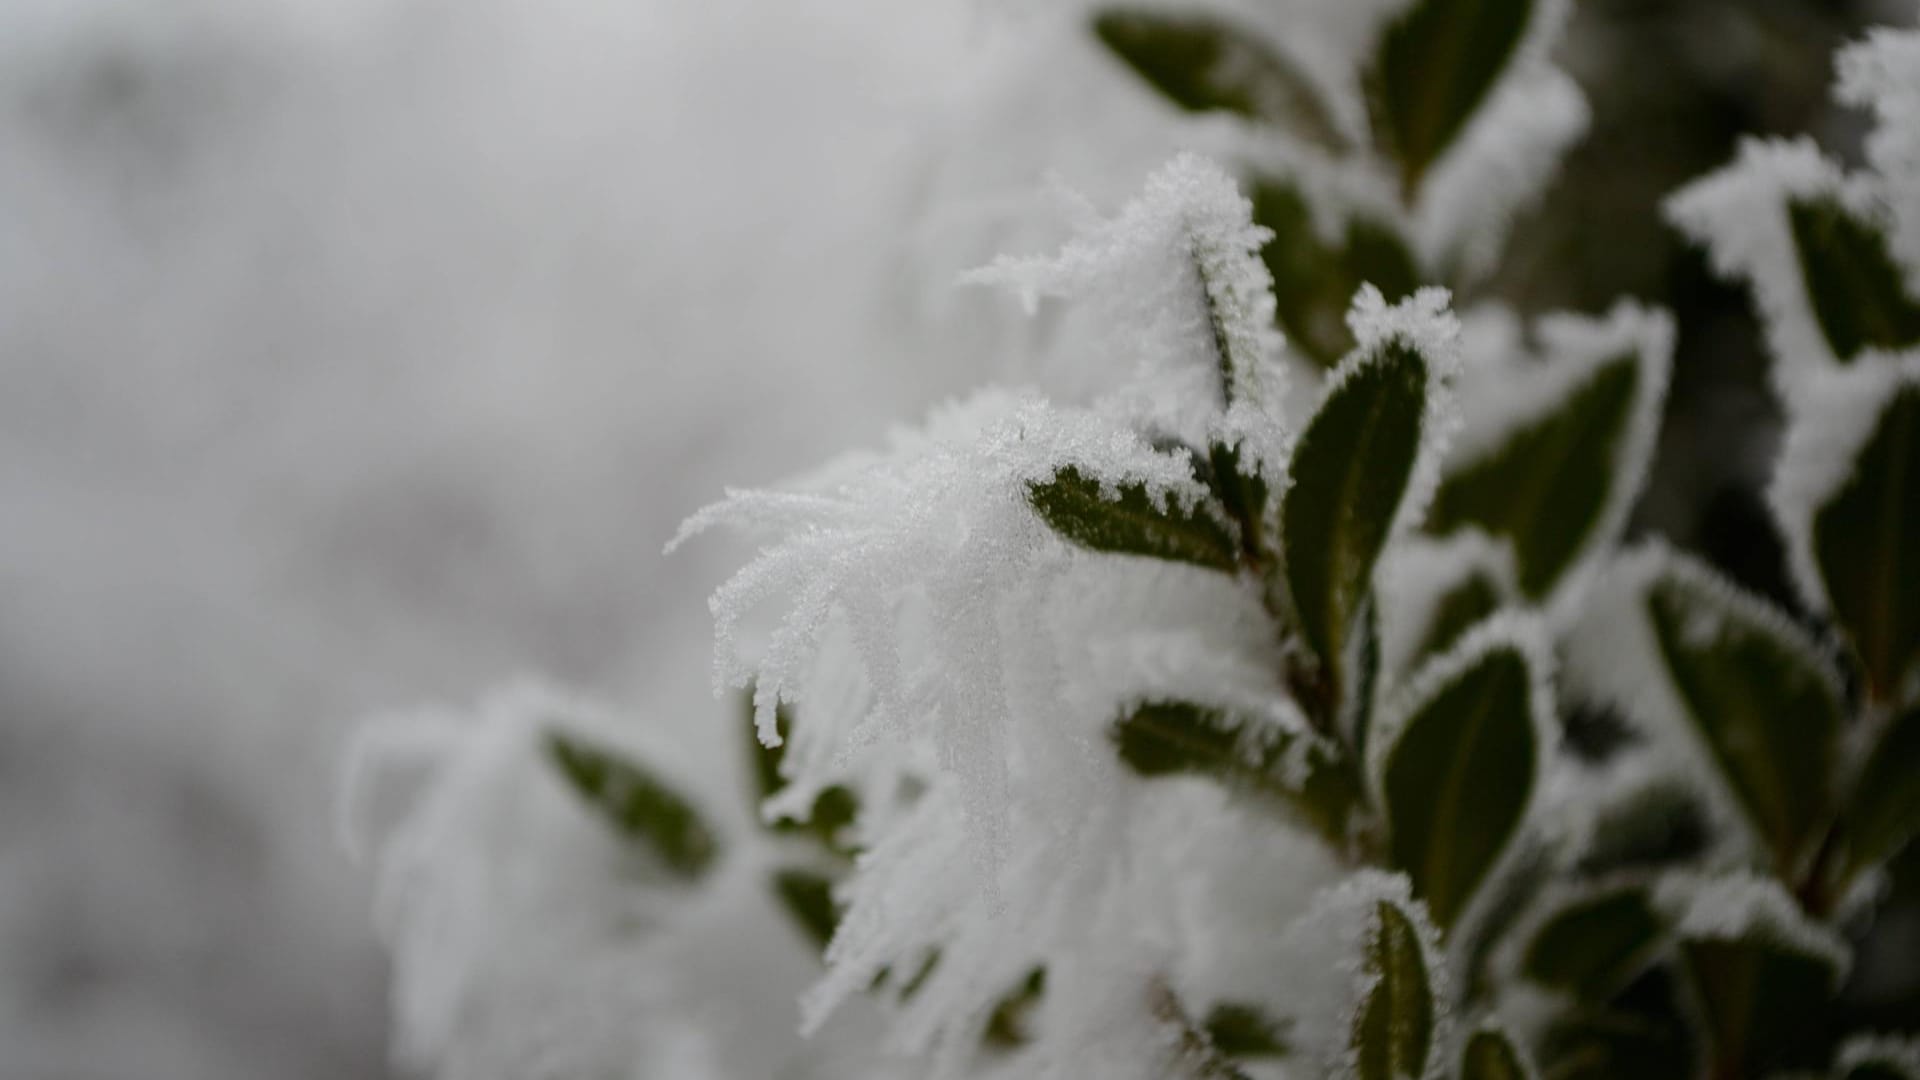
358,354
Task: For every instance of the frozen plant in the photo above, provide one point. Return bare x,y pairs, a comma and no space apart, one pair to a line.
1272,709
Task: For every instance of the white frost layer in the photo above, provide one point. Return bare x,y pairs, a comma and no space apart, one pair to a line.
1745,906
1900,1052
1740,214
1883,73
1836,417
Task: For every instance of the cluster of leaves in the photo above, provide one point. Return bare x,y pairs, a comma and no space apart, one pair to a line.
1431,71
1751,776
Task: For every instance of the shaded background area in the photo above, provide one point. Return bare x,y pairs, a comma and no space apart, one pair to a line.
361,353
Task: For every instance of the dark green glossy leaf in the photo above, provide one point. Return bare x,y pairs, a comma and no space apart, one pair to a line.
1764,1003
1314,282
1596,945
1393,1029
1010,1024
1204,64
1545,487
1244,1031
1755,692
1883,813
1433,70
638,805
1856,289
808,897
1351,472
1490,1055
1127,521
1866,541
1179,738
1458,778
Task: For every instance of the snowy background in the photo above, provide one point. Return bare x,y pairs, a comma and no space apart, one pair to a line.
361,353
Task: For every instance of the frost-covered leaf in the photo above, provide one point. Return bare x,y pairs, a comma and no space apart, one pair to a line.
1547,485
1866,543
1310,777
807,896
1460,768
1204,64
1757,693
1126,519
1393,1029
1857,291
1177,301
1314,281
637,804
1762,973
1593,945
1246,1031
1467,603
1435,65
1351,472
1883,812
1491,1055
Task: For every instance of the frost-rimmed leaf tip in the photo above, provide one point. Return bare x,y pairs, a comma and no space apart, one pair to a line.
1176,280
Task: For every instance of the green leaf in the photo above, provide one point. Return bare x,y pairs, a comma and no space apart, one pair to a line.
1244,1031
1462,607
1434,68
1314,282
1010,1024
1490,1055
1393,1029
638,805
1546,486
1171,738
1596,945
1883,813
1128,521
808,897
1763,1001
1866,542
1203,64
1243,493
1755,691
1458,778
1661,825
1857,291
1351,472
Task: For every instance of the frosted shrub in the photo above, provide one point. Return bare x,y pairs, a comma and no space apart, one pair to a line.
1237,719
